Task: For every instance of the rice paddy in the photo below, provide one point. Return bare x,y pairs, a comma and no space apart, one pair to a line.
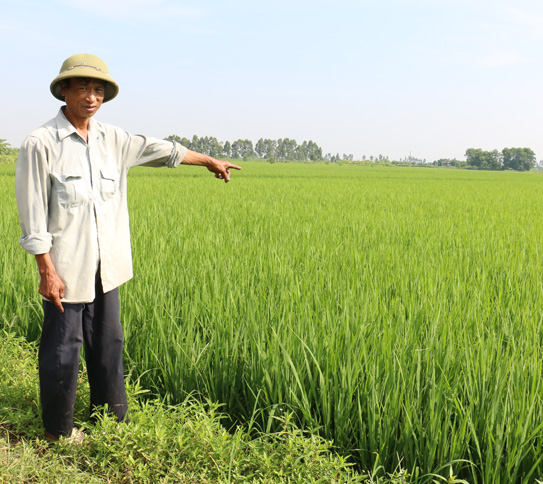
396,311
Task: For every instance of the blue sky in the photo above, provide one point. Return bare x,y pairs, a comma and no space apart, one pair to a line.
390,77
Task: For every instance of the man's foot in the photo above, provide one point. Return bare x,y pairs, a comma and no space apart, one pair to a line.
50,437
76,437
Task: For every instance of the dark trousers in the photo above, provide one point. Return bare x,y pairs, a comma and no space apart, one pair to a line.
98,326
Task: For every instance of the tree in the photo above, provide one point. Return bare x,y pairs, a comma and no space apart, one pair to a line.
246,150
302,152
473,157
194,144
484,160
260,148
236,148
290,147
172,137
315,151
446,162
496,160
280,150
271,148
227,149
5,147
215,148
521,159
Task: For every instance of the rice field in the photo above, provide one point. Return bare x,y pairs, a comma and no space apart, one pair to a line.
396,311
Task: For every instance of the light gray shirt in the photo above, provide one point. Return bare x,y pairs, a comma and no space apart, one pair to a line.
71,197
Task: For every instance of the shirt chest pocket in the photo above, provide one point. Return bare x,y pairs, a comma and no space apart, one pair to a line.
71,189
109,183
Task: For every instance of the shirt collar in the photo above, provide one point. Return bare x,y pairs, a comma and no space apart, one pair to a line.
65,128
94,128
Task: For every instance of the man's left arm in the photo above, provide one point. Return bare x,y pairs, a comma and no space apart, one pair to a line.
140,150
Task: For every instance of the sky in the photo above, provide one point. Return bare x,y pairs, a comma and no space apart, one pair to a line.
421,78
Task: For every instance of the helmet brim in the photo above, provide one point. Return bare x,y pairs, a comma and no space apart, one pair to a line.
112,89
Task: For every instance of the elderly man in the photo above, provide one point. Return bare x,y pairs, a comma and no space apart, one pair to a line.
71,187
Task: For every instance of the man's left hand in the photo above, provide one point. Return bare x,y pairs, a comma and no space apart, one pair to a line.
221,168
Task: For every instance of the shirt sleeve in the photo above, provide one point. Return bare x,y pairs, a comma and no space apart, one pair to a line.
143,150
32,190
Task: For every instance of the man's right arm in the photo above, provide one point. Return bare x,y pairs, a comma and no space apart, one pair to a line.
32,190
51,286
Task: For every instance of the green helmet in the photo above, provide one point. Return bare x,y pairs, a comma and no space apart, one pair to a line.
85,65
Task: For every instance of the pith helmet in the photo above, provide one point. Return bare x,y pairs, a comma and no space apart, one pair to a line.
85,65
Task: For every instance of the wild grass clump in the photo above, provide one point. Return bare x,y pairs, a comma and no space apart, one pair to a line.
185,443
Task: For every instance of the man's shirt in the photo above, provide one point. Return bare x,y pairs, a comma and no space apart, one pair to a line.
72,199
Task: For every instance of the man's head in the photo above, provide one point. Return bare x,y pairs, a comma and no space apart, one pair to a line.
86,66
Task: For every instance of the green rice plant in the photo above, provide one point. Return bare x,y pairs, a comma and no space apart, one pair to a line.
396,311
20,306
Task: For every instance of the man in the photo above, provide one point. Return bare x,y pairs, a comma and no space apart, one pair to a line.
71,186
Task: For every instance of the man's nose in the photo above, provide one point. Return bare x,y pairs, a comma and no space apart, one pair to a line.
92,95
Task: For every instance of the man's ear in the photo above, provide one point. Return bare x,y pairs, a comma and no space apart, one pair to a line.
63,86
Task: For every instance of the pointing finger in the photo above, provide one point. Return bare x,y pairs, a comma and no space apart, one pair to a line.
58,304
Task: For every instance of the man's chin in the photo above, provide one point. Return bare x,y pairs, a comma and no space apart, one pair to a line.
86,113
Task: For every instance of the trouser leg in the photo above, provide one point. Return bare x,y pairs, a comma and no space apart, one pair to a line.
58,362
103,336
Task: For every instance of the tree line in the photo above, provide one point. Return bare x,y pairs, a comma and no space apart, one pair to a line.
6,148
520,159
280,150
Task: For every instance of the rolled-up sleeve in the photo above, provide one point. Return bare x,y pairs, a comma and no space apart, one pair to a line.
32,190
148,151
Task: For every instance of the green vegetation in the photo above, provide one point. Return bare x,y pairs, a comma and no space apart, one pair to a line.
395,311
178,444
7,153
4,147
520,159
281,149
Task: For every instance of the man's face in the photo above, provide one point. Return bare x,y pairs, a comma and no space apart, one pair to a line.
83,97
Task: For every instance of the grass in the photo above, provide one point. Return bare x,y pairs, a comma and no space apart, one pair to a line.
395,311
185,443
8,158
